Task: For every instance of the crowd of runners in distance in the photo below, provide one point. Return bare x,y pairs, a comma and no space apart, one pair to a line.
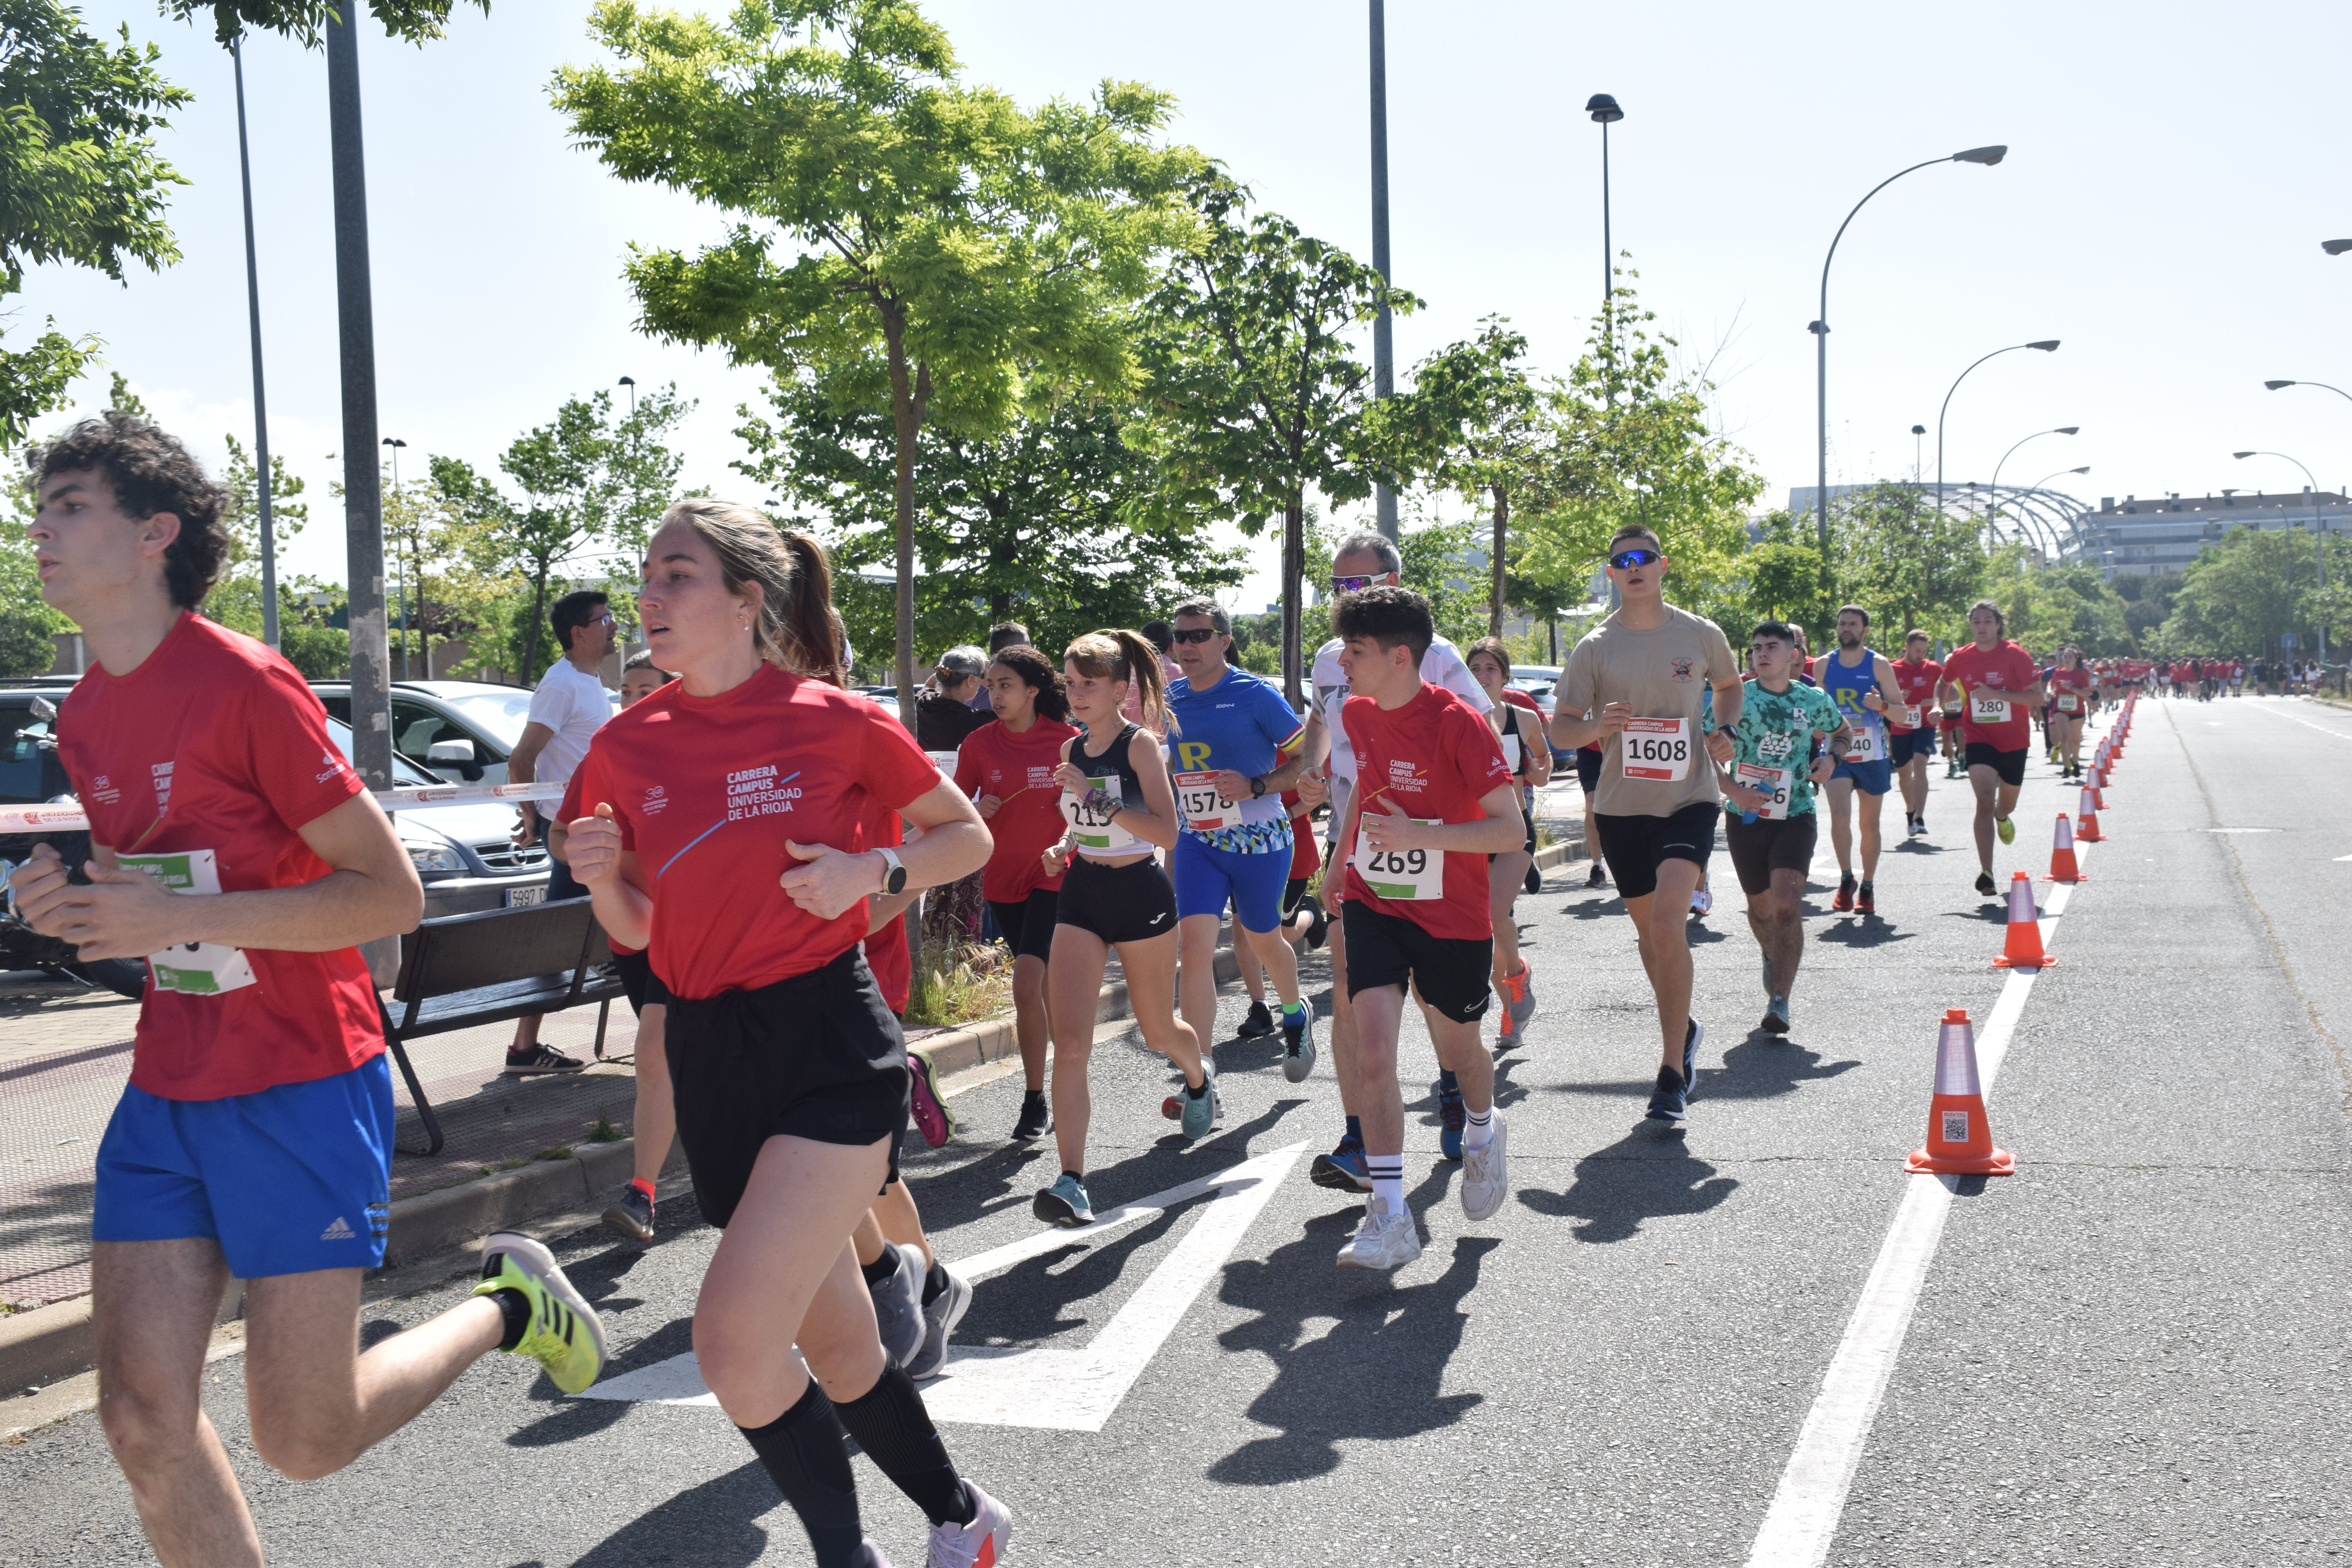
750,831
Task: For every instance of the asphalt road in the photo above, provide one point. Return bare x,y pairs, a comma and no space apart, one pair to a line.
2132,1351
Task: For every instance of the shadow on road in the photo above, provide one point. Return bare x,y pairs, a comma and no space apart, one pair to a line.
1646,1174
1860,931
1320,1396
713,1525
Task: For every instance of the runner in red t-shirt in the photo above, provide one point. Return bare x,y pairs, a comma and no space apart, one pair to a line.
1008,767
1911,733
2000,686
1416,914
730,819
2071,696
234,849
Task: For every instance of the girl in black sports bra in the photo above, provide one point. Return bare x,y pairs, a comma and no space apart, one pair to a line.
1120,808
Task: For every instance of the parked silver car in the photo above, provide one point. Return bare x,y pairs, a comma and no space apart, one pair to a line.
463,731
465,854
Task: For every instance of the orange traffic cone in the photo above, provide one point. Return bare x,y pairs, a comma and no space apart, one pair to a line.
2096,784
2062,868
1959,1136
2086,827
2023,950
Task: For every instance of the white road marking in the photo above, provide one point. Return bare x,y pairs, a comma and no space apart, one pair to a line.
1802,1521
1044,1386
2306,724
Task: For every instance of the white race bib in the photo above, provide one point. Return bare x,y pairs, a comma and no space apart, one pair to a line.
2068,702
1988,709
1091,827
1658,749
195,968
1511,753
1400,874
1203,810
1865,742
1774,784
1907,715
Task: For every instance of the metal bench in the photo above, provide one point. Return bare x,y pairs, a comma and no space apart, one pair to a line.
485,968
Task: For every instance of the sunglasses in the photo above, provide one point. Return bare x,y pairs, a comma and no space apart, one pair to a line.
1352,584
1197,634
1626,560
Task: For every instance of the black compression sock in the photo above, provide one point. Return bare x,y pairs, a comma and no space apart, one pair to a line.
935,1282
891,1424
515,1306
882,1268
802,1452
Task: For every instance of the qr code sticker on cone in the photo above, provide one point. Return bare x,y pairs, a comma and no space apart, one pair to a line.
1956,1126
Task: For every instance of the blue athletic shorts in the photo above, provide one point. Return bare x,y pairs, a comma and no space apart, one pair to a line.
288,1180
1207,879
1904,745
1870,778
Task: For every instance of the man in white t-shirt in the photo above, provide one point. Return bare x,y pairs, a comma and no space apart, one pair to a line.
1364,560
569,706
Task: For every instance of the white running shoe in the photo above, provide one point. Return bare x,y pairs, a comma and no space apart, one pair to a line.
1483,1180
1702,902
1384,1240
975,1545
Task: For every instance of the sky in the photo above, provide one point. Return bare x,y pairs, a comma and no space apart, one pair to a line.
2171,177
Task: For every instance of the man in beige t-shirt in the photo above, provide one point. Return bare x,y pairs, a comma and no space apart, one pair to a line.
1642,675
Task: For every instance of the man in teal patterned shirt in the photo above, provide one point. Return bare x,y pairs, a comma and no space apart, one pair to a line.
1770,825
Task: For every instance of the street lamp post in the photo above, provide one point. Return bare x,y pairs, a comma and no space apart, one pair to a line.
2276,385
362,489
2335,246
2047,345
2056,546
631,383
1918,460
261,402
1384,502
1993,508
2318,524
1821,326
399,580
1605,114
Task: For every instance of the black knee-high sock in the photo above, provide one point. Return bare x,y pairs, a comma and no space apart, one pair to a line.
803,1451
891,1424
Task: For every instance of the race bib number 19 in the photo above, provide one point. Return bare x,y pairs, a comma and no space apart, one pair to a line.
1400,874
1197,799
1656,750
195,968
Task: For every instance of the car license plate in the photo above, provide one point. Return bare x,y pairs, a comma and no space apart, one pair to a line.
519,896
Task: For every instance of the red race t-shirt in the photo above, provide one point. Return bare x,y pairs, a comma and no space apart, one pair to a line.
2076,681
706,791
2006,667
886,953
1917,680
1434,757
213,754
1306,854
1019,771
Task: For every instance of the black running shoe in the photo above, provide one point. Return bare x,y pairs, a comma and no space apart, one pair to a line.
1257,1024
1320,927
1986,885
1035,1120
1596,877
1668,1101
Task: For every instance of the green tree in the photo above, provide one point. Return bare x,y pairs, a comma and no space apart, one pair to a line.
1256,395
891,224
1029,524
589,483
2050,606
2245,590
1474,424
2148,601
1545,601
1903,559
26,622
413,21
236,598
80,182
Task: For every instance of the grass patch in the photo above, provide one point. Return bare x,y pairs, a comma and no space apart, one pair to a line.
604,1131
960,983
561,1151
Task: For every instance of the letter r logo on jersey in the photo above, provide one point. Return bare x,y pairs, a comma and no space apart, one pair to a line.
1191,755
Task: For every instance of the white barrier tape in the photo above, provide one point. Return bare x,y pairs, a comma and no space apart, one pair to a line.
69,819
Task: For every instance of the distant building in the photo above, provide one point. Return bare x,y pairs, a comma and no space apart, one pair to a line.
2145,538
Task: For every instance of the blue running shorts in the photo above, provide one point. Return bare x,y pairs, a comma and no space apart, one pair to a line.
289,1180
1901,748
1870,778
1207,879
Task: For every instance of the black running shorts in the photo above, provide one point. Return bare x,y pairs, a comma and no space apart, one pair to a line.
1450,974
1588,768
1028,926
1768,844
1635,847
818,1055
2008,765
1118,903
643,986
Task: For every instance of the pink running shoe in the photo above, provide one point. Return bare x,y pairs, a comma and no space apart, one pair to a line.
933,1120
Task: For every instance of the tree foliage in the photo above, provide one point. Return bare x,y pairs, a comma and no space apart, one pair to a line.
80,181
1903,559
892,225
414,21
2242,592
1256,395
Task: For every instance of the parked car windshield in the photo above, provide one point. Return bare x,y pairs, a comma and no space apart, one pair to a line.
500,714
404,774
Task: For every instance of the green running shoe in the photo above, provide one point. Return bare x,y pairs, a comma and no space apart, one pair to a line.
1064,1202
2006,828
564,1335
1200,1111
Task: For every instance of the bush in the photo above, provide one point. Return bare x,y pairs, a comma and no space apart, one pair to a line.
320,653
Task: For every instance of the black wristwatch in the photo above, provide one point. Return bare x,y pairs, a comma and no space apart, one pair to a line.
894,872
1257,788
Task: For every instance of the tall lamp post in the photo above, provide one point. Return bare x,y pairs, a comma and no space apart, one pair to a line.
261,402
2276,385
2045,479
1993,508
1605,114
399,582
363,488
1918,433
1821,326
2318,526
1384,502
2335,246
2047,345
631,383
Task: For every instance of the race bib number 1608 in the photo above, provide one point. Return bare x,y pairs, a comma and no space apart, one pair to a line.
1658,750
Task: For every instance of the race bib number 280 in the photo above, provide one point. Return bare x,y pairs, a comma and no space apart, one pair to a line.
1658,750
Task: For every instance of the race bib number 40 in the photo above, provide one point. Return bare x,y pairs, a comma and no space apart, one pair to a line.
1865,742
1986,709
1089,816
1771,783
1204,811
195,968
1400,874
1658,750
